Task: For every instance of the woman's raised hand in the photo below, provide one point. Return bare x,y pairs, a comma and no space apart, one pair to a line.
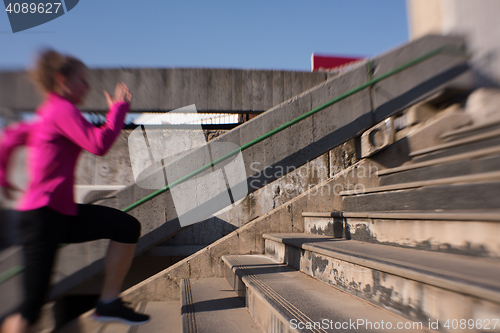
122,94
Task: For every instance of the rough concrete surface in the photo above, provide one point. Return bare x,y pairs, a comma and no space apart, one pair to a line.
282,299
483,105
171,88
428,134
377,274
473,238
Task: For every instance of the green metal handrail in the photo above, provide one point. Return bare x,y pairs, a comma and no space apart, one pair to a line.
294,121
451,50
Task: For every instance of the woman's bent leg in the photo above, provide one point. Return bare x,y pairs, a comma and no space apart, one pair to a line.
123,230
117,263
97,222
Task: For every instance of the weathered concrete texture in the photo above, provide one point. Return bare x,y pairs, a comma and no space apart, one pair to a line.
275,250
8,89
202,233
377,137
457,168
447,197
424,79
117,167
414,283
470,144
414,300
114,168
172,88
326,226
344,156
472,238
205,310
470,130
483,105
27,95
487,164
282,299
428,134
85,173
326,129
419,113
319,133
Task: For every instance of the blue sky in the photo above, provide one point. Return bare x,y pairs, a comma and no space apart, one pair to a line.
223,34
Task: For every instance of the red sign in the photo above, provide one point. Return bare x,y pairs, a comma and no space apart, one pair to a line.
331,63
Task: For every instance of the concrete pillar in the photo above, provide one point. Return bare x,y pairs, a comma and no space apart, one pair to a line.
477,21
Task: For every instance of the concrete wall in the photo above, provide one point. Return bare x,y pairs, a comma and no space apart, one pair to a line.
475,20
173,88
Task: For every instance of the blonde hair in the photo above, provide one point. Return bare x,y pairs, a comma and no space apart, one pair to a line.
50,63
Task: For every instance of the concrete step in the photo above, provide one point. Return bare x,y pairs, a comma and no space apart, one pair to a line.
465,179
283,299
210,305
422,285
165,317
426,197
473,129
483,160
467,144
472,233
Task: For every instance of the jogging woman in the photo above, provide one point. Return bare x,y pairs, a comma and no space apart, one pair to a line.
49,215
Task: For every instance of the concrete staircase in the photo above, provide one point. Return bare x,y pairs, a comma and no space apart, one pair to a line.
422,247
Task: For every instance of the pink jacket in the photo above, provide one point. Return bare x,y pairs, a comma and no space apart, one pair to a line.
54,142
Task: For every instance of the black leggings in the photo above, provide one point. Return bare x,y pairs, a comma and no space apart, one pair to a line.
43,229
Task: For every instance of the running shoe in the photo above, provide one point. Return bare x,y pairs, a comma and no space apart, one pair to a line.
118,311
